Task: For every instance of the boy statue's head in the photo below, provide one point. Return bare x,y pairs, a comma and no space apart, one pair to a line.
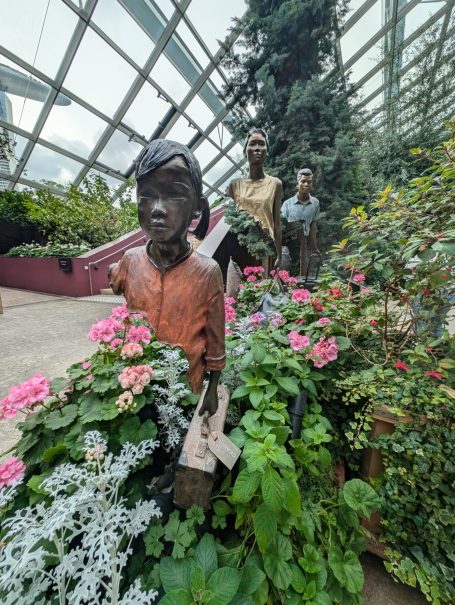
169,191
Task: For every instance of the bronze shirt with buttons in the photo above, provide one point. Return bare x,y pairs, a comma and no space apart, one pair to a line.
183,304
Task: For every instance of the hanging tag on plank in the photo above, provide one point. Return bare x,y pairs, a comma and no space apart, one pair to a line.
223,448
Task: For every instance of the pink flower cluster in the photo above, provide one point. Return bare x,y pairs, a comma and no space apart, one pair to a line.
139,334
276,319
229,311
135,378
130,350
105,330
324,351
297,341
121,313
258,318
11,470
301,295
359,277
32,391
286,278
323,321
253,271
125,401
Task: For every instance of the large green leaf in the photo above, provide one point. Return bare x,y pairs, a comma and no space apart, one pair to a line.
361,497
292,496
272,489
311,561
205,555
289,385
90,408
245,486
177,597
265,526
109,410
197,580
251,578
275,561
175,574
223,585
60,418
347,569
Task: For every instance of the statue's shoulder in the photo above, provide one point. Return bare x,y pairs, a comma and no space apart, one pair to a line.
133,254
204,262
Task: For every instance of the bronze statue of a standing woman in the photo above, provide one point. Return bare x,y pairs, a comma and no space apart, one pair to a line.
260,194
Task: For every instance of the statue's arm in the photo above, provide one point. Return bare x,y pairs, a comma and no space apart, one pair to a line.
313,238
117,275
277,223
215,355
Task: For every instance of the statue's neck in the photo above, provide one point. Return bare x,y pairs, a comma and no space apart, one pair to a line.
166,254
305,197
256,173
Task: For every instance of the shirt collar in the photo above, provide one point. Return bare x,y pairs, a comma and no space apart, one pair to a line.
177,262
297,201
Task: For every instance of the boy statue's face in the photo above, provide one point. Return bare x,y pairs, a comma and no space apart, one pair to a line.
167,202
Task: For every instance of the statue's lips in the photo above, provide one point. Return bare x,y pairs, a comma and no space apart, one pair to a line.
157,226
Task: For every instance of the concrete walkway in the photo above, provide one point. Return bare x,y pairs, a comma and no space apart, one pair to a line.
40,333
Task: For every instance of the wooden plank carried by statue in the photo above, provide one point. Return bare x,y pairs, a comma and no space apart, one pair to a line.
204,444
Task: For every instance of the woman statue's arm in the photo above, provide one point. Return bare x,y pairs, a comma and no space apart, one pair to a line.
277,224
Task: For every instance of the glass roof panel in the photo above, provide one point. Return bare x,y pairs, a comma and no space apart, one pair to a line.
214,25
99,75
119,152
199,112
367,61
170,80
220,135
205,153
181,132
418,15
360,33
192,44
21,25
47,165
220,168
74,128
23,102
146,110
116,22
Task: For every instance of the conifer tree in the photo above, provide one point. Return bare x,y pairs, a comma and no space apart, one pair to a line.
287,68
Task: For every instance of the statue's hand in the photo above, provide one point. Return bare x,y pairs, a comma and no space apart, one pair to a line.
210,403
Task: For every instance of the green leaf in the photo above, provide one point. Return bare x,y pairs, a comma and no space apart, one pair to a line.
289,385
343,343
223,585
272,489
275,561
273,416
175,574
51,454
90,408
152,537
60,418
321,598
298,581
292,496
222,508
256,397
59,384
325,459
197,580
241,391
245,486
205,555
311,561
177,597
34,483
238,436
109,410
307,525
265,526
347,569
361,497
251,578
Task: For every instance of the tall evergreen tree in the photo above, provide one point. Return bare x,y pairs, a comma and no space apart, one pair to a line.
287,49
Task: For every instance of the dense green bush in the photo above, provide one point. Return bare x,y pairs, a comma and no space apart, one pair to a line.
81,215
53,249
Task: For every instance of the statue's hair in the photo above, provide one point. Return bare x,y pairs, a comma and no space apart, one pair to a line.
305,171
254,131
156,153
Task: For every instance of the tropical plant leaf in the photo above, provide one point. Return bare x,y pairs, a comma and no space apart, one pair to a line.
206,556
272,489
245,486
223,585
361,497
265,526
347,569
175,574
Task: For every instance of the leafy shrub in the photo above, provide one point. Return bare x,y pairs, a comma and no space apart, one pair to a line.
54,249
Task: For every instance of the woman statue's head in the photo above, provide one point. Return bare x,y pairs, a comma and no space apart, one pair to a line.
256,146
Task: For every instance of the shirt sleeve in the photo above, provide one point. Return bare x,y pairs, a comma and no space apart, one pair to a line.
215,355
117,275
284,210
316,211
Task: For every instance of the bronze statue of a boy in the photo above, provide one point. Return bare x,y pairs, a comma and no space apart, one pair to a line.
179,291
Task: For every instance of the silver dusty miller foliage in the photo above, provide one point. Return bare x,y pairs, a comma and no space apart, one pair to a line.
86,529
171,418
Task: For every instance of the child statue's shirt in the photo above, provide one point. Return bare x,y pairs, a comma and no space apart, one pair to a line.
183,304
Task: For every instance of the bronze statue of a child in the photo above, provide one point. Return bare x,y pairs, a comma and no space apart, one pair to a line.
179,291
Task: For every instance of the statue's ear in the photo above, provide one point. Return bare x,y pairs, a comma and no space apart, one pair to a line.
199,207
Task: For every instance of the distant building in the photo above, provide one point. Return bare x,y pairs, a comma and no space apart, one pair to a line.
6,114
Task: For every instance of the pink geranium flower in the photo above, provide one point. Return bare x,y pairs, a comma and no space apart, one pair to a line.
229,313
11,470
229,300
251,278
301,295
130,350
139,334
359,277
324,351
135,378
86,365
120,313
104,330
29,393
258,317
323,321
253,270
297,341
